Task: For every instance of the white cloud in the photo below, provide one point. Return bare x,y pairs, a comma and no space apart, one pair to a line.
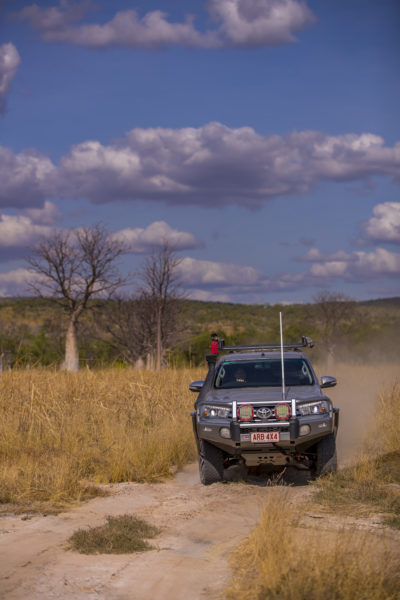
19,232
384,226
16,282
255,23
9,62
25,178
315,255
142,240
212,165
360,266
209,296
238,23
215,165
206,273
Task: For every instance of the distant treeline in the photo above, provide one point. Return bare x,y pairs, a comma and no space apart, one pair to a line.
32,331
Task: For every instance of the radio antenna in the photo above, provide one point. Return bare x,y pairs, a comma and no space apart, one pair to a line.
282,361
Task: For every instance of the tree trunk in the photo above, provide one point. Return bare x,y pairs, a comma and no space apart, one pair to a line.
159,349
71,362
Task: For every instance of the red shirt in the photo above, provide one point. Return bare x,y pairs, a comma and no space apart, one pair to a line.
214,347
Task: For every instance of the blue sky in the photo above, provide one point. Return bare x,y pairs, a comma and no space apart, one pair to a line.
260,137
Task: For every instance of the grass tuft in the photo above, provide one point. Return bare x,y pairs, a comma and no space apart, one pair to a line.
120,535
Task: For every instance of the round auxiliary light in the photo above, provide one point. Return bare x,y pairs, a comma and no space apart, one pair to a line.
245,412
225,432
282,411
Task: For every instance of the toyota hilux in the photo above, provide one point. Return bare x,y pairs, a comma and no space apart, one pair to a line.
263,405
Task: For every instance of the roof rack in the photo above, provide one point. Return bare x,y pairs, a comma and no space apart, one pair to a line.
306,342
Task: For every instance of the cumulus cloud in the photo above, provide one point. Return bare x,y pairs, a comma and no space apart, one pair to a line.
142,240
16,282
25,178
19,231
209,274
384,226
9,62
216,165
237,23
315,255
359,266
207,278
212,165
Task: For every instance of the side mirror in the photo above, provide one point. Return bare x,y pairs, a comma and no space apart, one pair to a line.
327,381
196,386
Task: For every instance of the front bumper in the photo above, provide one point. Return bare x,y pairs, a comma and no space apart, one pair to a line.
295,435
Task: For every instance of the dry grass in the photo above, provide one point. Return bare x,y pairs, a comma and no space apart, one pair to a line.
120,535
385,434
365,486
283,561
59,430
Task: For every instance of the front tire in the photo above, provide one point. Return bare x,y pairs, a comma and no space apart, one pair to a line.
211,463
326,459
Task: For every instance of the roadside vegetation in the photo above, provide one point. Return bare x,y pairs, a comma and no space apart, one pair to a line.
372,484
33,330
61,433
283,559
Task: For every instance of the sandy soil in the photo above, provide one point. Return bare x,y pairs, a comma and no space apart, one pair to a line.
200,526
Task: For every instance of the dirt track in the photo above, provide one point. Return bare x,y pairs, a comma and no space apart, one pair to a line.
200,525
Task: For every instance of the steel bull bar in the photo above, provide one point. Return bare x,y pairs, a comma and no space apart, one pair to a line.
294,425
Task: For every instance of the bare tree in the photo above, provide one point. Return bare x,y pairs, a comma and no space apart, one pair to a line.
76,266
122,321
160,297
332,309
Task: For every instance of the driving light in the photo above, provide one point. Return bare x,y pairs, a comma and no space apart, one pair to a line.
282,411
304,430
245,412
225,432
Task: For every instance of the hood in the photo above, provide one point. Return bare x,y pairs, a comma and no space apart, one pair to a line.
268,394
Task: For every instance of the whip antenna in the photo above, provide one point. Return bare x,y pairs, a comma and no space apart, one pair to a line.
282,361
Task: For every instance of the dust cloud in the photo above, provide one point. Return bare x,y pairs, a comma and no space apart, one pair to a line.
356,394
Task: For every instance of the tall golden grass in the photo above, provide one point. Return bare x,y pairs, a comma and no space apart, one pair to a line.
59,430
281,560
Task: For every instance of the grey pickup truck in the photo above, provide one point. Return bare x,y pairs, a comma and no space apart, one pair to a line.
263,405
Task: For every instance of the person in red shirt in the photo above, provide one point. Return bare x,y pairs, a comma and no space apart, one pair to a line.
214,344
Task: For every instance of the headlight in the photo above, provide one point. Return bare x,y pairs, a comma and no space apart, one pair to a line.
313,408
215,412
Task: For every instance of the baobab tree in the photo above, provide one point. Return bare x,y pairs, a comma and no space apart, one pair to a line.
76,266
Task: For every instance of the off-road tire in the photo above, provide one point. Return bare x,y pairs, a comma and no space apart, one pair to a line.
326,459
211,463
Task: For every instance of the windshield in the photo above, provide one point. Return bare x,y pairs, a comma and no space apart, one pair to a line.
268,372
